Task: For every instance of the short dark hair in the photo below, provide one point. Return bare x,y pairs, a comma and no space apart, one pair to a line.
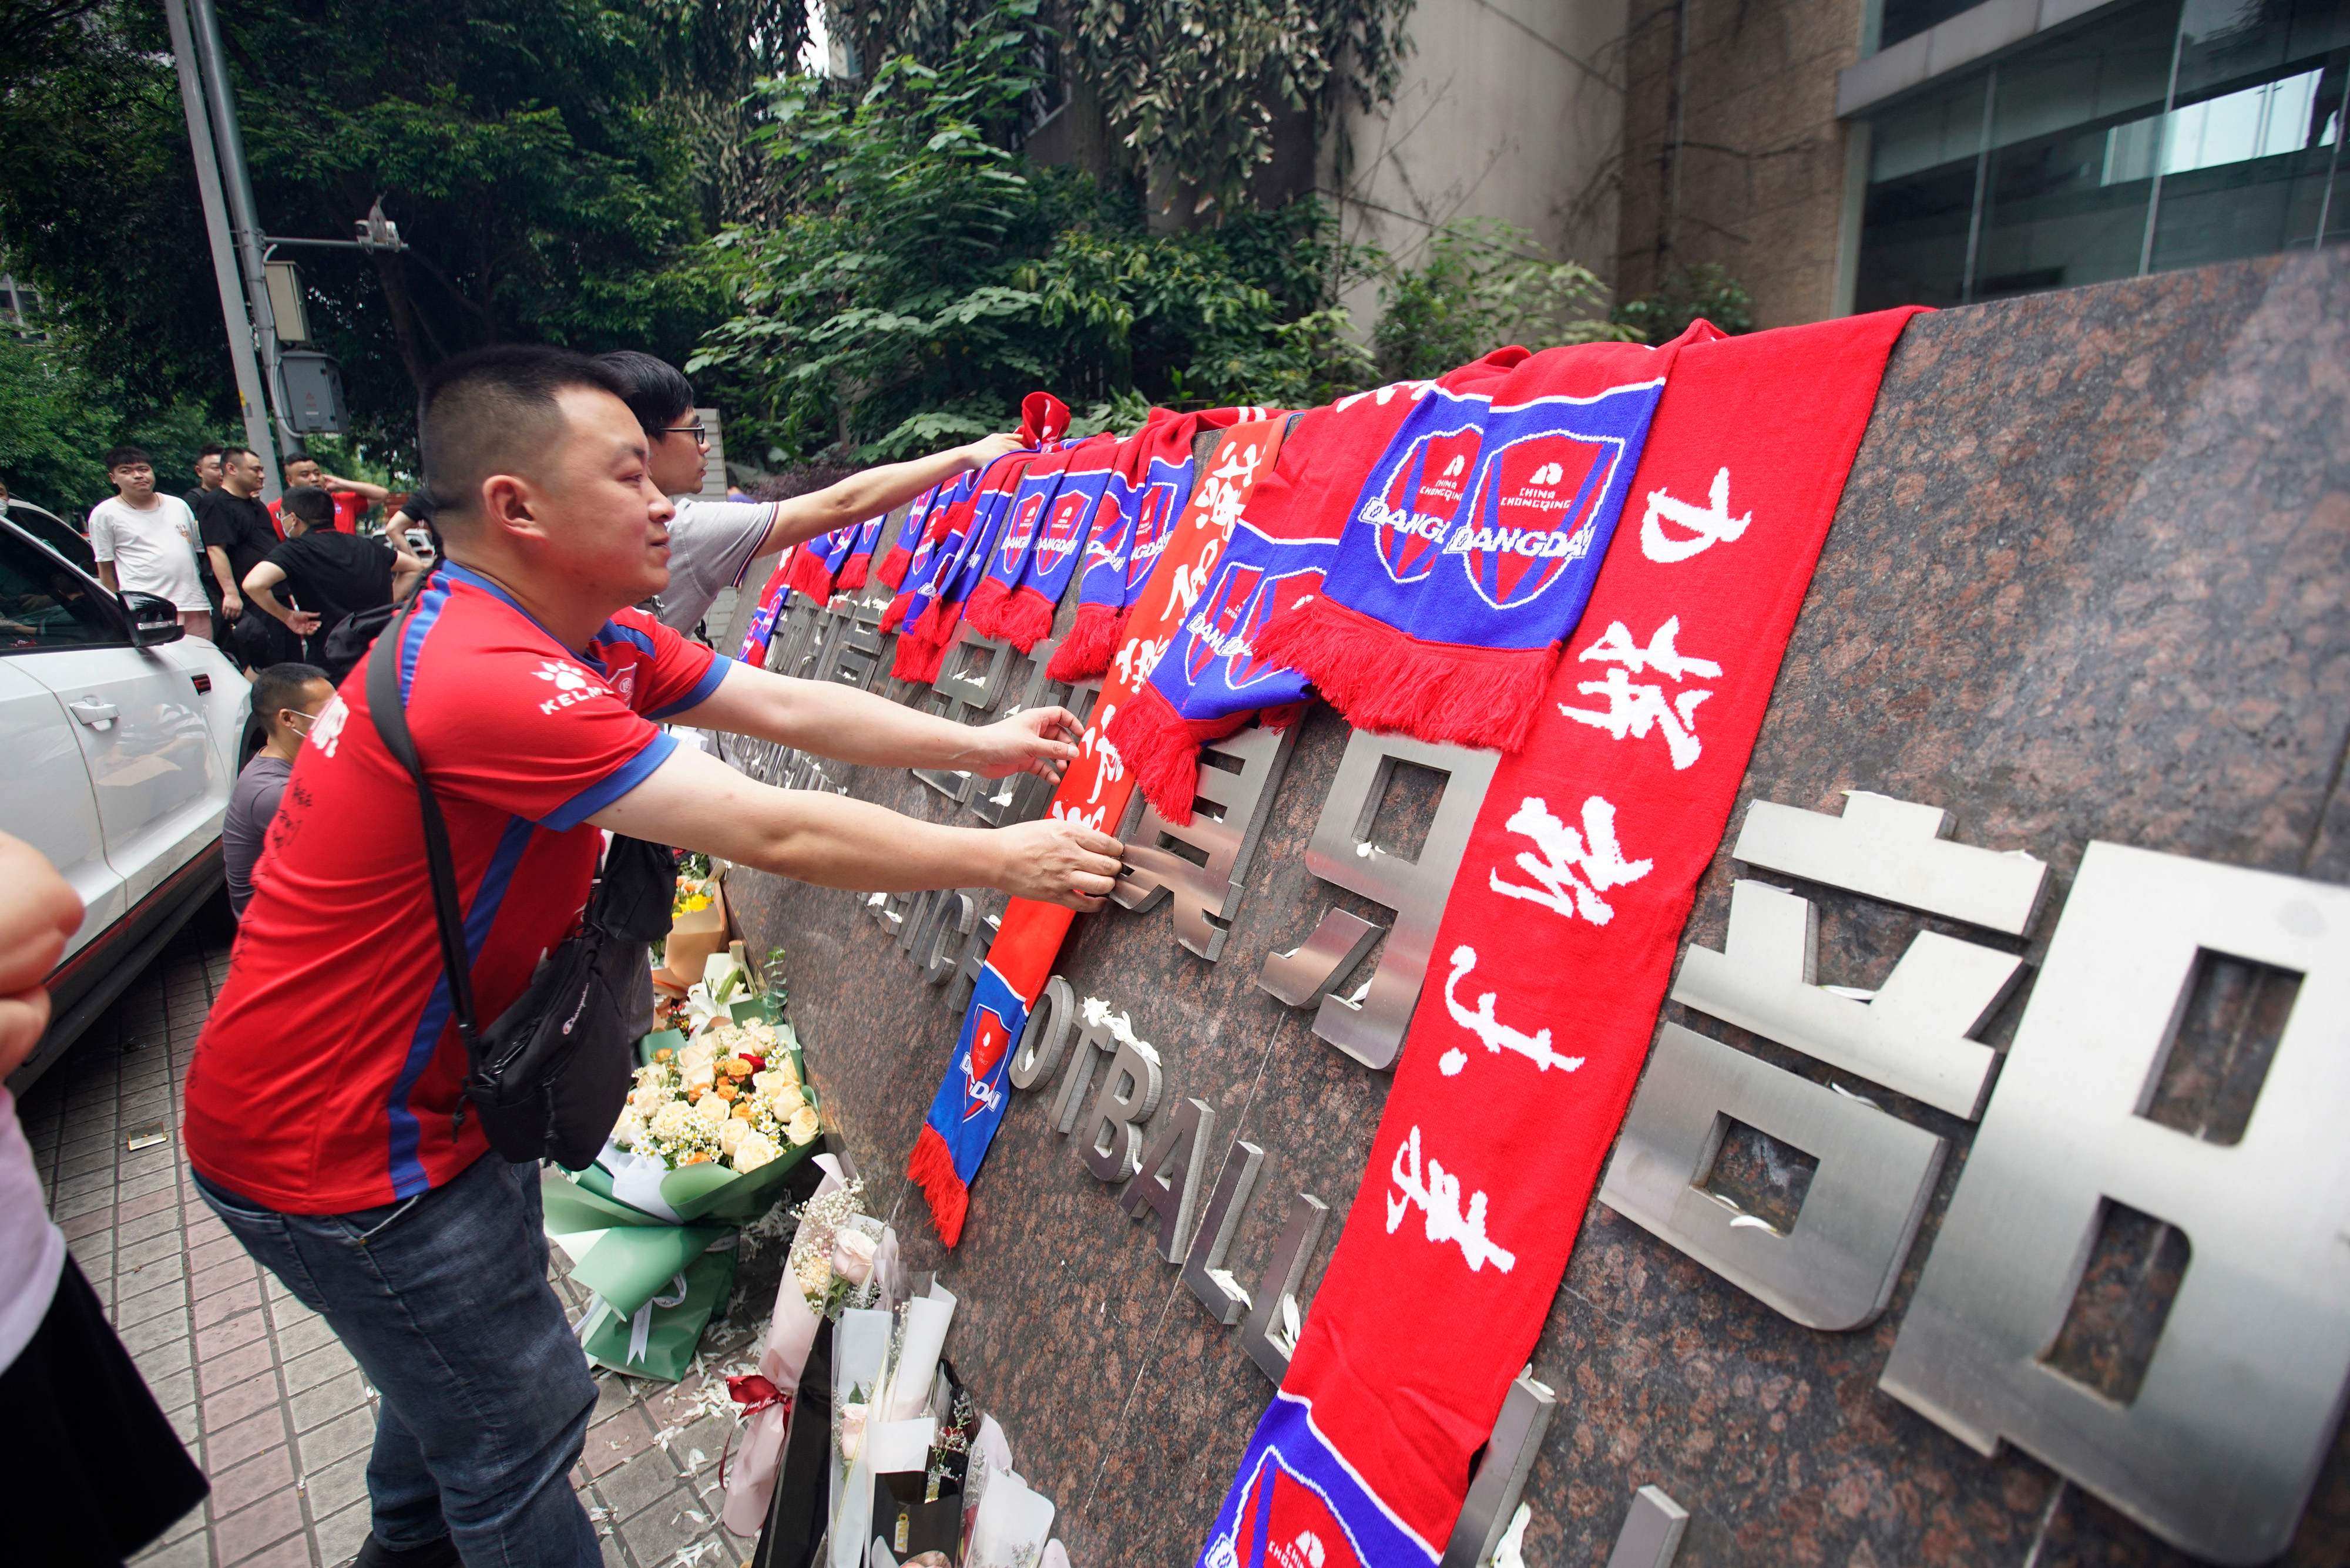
312,504
657,392
297,455
210,449
280,686
232,451
118,457
490,411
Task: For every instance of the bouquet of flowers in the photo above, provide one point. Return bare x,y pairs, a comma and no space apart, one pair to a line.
714,1128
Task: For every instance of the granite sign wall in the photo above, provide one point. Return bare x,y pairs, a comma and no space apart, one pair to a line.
2087,585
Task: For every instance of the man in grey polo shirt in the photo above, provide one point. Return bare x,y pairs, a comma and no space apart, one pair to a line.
711,544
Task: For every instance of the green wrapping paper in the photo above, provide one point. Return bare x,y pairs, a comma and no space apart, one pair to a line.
659,1279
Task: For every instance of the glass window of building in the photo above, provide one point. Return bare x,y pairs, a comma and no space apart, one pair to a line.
2157,134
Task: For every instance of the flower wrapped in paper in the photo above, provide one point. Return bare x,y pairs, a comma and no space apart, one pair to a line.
713,1130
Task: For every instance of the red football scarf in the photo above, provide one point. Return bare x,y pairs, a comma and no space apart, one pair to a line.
1218,676
1469,549
962,1119
922,540
1553,959
969,533
1031,506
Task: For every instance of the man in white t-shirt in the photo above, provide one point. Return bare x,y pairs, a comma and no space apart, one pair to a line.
146,543
711,544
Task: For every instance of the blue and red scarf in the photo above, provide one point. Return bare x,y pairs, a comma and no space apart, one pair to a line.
890,570
1025,616
1470,546
1551,961
969,1105
971,530
762,629
1015,543
815,562
1149,482
857,569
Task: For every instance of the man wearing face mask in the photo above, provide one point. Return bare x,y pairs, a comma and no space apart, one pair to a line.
286,698
713,543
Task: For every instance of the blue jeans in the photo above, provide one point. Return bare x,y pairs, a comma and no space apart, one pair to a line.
444,1302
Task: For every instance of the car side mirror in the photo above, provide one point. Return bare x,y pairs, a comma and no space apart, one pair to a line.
153,619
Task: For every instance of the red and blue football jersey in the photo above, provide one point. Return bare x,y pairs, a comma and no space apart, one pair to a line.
329,1073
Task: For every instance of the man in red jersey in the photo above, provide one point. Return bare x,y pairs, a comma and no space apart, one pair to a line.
321,1105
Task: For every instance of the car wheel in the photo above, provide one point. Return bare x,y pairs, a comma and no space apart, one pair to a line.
256,735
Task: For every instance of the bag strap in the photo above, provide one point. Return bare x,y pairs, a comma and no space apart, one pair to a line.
388,709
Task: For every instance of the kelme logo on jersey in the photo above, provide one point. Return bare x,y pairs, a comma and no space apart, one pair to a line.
571,683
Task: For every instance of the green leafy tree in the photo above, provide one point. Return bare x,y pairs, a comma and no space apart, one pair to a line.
553,165
56,419
1479,287
1704,291
921,274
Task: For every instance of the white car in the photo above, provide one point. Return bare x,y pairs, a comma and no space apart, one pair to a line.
120,741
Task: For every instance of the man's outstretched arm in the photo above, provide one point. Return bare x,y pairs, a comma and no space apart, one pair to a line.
693,801
874,491
852,726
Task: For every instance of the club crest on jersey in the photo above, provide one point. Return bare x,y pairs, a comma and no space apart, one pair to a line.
989,1042
1535,513
1284,1522
1420,486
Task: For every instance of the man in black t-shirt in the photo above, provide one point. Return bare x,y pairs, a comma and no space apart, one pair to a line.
331,575
238,536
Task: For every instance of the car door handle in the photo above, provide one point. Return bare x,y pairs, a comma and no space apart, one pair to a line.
98,715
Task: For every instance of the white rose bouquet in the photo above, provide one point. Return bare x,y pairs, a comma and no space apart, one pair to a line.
712,1130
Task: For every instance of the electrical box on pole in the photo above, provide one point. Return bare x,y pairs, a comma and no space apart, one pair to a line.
285,302
314,391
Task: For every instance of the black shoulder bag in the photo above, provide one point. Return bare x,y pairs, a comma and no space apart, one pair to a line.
548,1078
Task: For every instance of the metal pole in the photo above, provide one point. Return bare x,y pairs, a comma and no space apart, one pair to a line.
232,291
246,222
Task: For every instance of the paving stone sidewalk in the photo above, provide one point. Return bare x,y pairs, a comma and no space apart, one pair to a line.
269,1404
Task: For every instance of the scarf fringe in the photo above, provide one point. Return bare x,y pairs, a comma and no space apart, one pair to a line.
1161,748
891,573
1388,684
1024,618
1085,654
894,618
931,1168
984,609
810,578
854,576
917,659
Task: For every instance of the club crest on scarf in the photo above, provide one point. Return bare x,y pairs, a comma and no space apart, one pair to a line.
1512,496
1153,505
1298,1505
990,1039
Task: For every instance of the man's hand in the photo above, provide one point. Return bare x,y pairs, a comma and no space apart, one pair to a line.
1058,862
986,449
232,606
302,622
37,913
1042,740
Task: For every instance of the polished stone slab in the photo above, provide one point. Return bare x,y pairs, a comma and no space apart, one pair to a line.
2087,581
